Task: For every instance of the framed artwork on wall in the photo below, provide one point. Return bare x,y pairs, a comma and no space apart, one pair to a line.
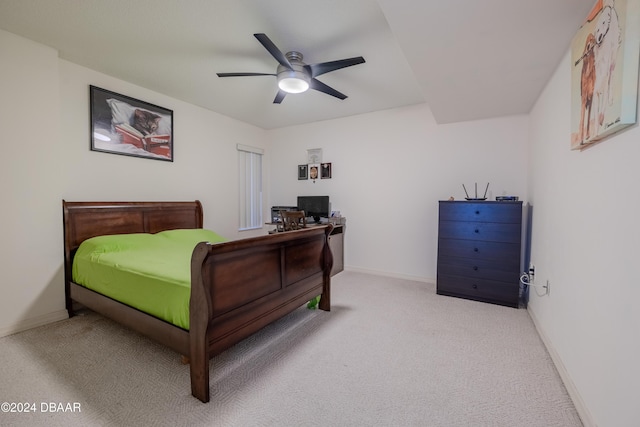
314,171
302,172
314,155
325,171
128,126
604,72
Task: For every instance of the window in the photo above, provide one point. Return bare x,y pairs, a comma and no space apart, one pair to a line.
250,171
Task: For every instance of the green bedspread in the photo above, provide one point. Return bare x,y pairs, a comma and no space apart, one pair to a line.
151,272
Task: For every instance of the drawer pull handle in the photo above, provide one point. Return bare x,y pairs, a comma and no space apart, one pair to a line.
475,249
477,212
474,286
475,268
476,231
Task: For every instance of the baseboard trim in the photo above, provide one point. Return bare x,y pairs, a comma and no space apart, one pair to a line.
392,275
34,322
583,411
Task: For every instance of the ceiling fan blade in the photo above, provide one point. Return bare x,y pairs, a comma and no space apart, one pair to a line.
243,74
273,50
325,67
279,97
319,86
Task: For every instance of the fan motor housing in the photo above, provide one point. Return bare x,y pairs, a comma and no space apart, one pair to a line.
295,80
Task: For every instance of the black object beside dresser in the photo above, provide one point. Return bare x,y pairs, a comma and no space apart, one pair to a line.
479,244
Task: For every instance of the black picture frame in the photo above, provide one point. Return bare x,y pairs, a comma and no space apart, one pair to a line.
303,172
127,126
325,171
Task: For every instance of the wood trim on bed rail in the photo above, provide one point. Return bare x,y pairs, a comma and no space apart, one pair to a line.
165,333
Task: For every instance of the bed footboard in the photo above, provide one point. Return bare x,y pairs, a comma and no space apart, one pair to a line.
239,287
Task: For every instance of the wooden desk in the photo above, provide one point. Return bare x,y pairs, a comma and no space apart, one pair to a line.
336,243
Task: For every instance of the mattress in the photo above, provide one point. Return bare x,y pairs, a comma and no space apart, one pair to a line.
150,272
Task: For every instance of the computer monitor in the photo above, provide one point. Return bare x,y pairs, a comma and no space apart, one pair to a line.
315,207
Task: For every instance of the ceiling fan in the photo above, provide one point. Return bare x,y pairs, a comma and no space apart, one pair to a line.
294,76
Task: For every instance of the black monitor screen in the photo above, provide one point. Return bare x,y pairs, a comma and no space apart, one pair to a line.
315,207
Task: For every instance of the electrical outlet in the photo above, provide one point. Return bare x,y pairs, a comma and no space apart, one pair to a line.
532,272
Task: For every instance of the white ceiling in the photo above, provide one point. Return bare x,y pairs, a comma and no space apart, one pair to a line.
467,59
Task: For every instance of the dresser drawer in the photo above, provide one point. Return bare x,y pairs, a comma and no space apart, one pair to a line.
478,289
478,249
503,212
480,269
486,231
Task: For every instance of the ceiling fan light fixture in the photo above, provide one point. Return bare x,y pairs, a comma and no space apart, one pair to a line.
293,81
293,75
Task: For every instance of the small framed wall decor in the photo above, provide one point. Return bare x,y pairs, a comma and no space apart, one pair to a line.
314,155
325,171
303,172
128,126
314,171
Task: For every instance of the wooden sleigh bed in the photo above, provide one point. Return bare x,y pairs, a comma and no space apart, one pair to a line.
237,287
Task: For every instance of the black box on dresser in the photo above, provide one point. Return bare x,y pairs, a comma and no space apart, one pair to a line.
479,245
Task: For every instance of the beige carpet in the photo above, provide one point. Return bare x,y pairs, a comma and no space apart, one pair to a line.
390,353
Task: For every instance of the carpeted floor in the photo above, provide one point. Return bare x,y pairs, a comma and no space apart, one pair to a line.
390,353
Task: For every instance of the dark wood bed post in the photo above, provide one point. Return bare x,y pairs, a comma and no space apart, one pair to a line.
201,309
67,260
325,299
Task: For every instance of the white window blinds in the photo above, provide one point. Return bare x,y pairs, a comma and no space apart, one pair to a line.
250,171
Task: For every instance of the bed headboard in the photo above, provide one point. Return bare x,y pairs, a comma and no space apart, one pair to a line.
83,220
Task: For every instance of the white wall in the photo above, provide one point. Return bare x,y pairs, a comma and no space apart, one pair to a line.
585,237
390,168
30,175
44,109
